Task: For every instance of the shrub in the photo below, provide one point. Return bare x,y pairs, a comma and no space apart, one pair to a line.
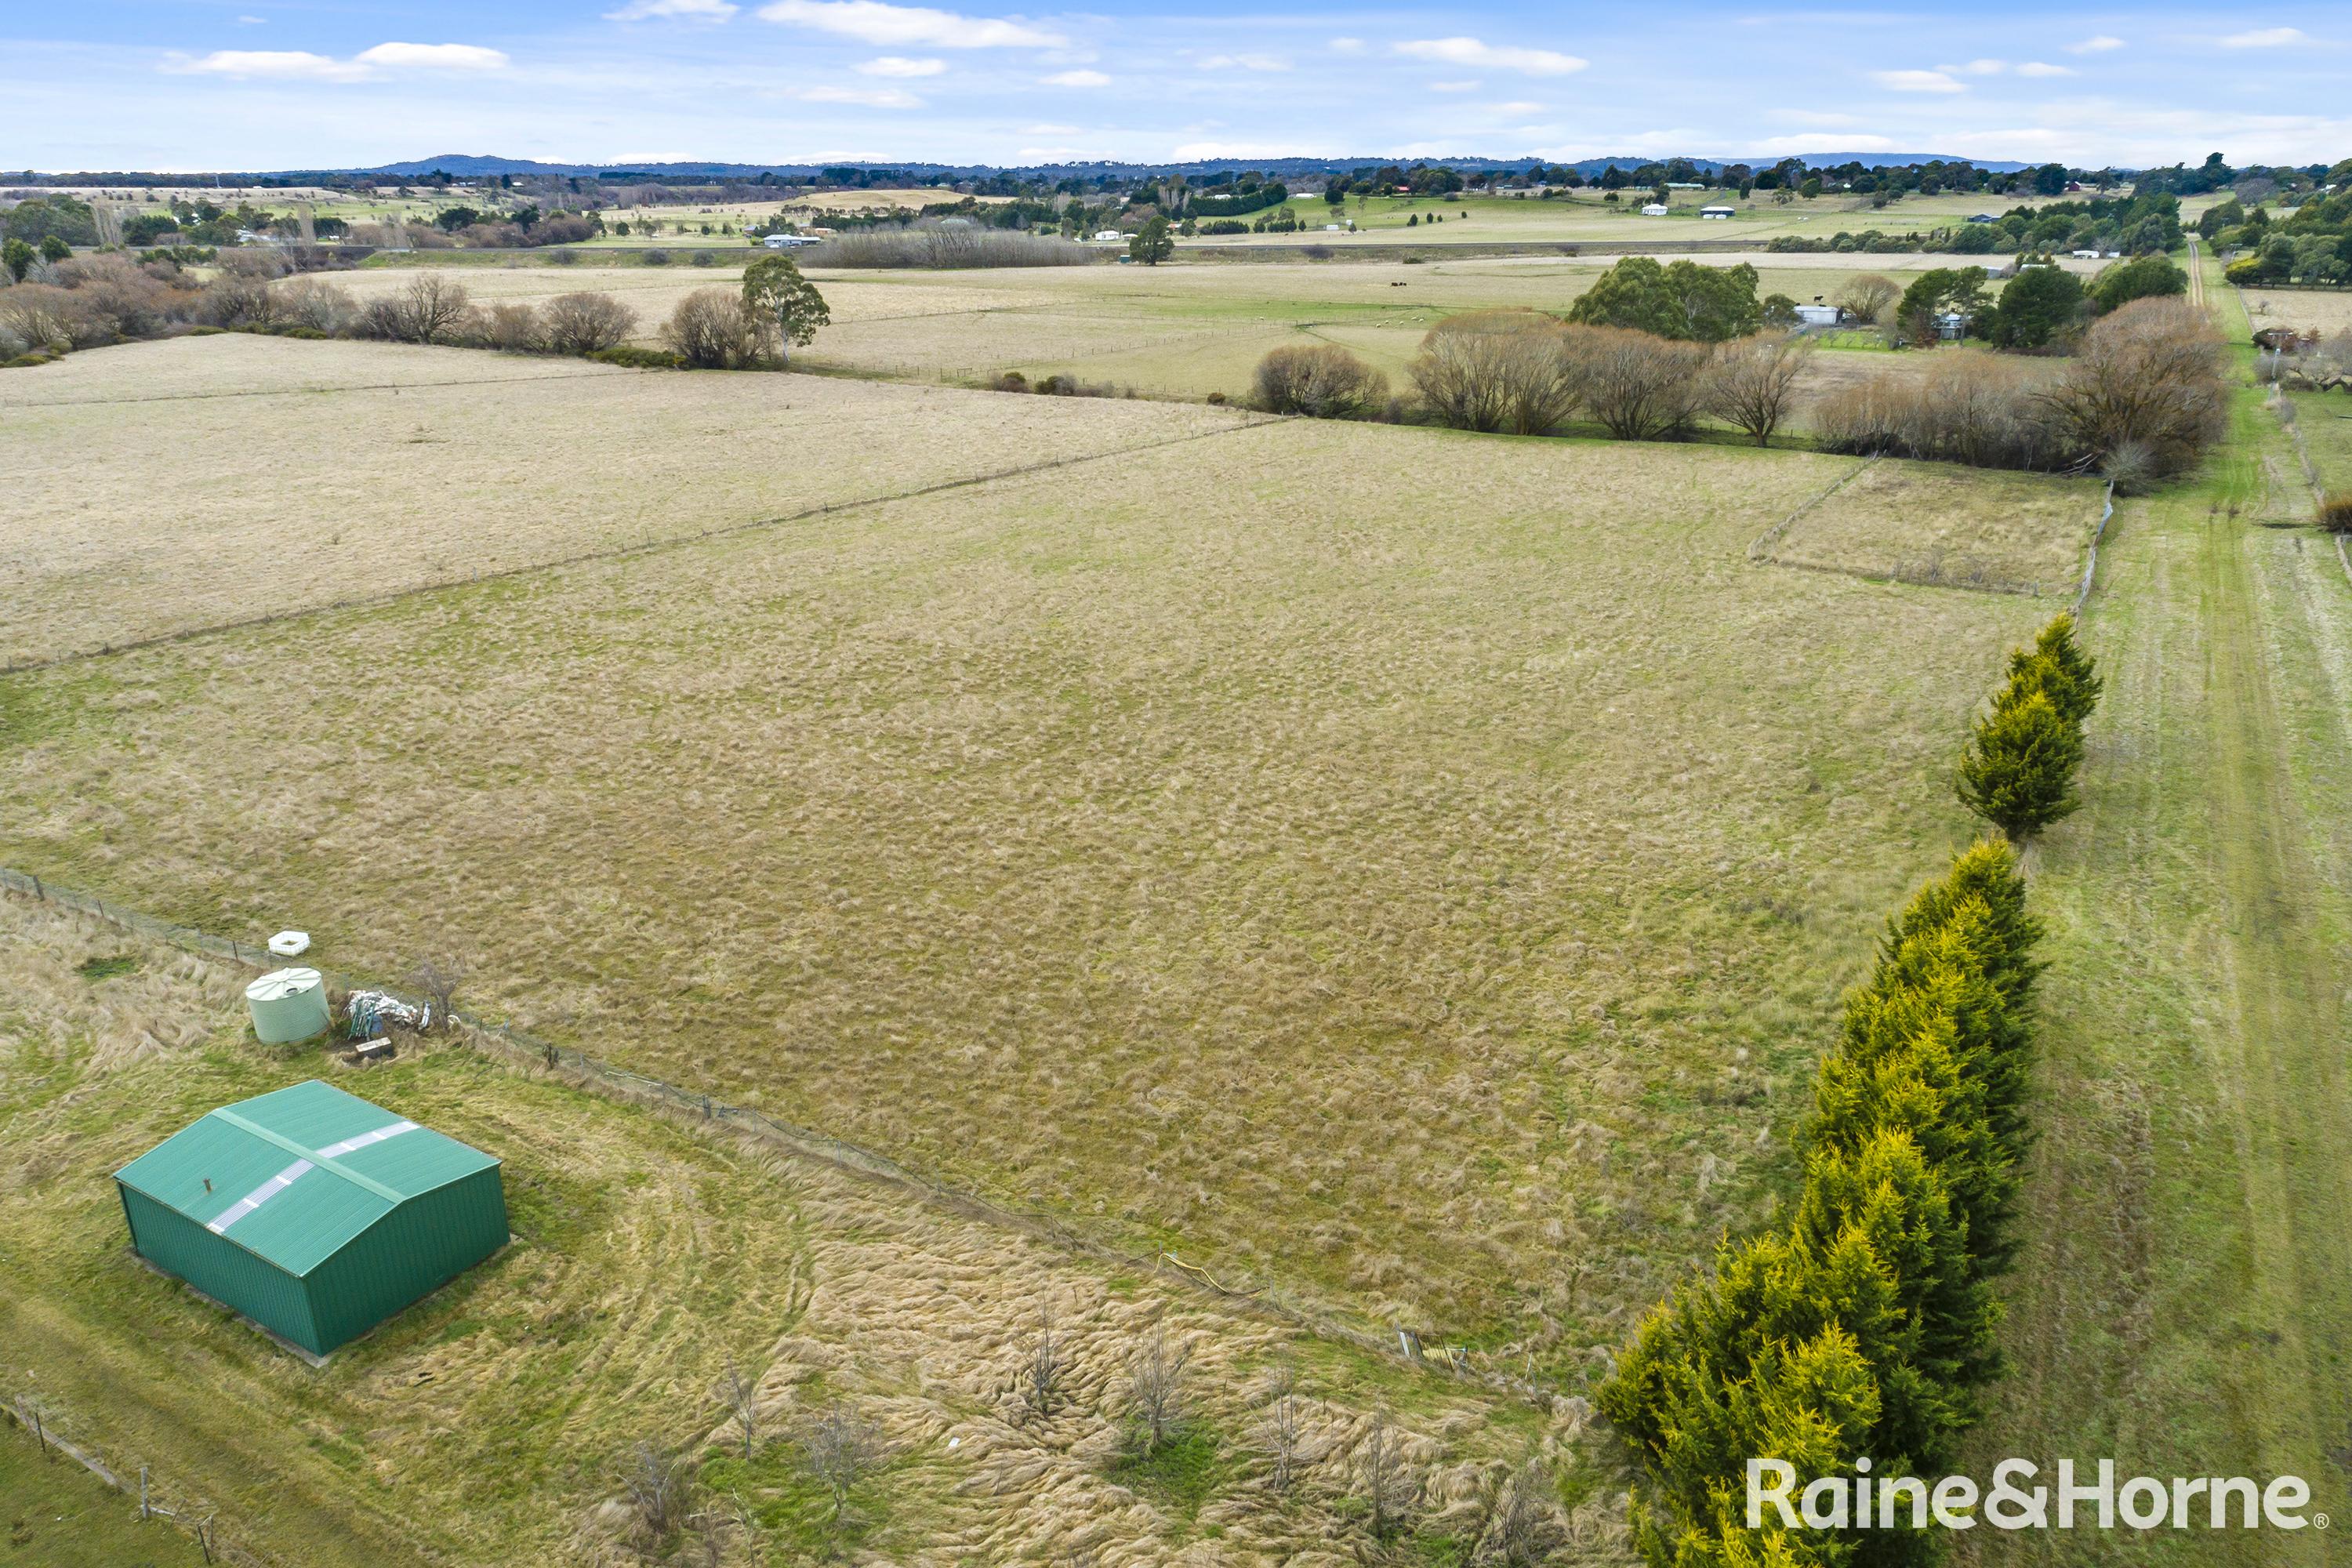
636,358
516,329
316,304
1866,298
585,322
1681,299
1324,381
2148,375
2019,770
2142,278
2335,511
655,258
239,299
564,258
712,329
49,317
1639,387
1497,370
704,259
1971,406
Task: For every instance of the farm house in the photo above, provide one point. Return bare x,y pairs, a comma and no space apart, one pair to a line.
312,1212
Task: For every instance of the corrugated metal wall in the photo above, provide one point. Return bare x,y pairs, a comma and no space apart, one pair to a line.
222,1269
423,1244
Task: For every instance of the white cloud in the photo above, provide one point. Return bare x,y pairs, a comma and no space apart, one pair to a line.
433,57
1797,146
899,66
1062,154
2043,68
872,22
249,21
2098,44
1348,46
693,10
864,96
1976,68
1049,130
1917,81
1244,63
1492,57
1455,86
1077,79
2265,38
1515,110
1815,117
301,64
279,65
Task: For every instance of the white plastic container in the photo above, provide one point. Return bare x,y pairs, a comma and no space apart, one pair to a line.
287,1005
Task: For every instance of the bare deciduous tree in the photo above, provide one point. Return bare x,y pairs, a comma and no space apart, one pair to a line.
1155,1383
838,1450
1497,370
516,328
711,330
1521,1528
1865,298
1753,383
2147,376
655,1481
1640,386
1388,1487
739,1392
1322,380
429,309
1279,1430
1042,1377
586,322
437,979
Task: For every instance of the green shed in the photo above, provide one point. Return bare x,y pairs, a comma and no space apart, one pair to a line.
312,1212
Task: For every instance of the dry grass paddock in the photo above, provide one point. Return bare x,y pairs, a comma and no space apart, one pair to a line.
1416,868
2325,310
1171,330
167,486
1937,524
489,1423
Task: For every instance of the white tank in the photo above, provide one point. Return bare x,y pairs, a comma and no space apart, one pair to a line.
287,1005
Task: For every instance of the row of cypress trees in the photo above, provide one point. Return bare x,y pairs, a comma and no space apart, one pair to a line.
2019,771
1866,1327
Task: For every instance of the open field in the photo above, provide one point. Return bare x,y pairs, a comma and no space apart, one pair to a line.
2327,311
340,470
1584,216
1175,330
1108,839
487,1423
1930,522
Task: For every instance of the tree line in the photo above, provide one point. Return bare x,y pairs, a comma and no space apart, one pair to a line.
1857,1340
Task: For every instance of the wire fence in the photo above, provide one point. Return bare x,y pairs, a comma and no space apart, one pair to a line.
523,1048
191,1516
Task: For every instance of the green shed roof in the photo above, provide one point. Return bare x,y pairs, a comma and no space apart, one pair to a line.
292,1175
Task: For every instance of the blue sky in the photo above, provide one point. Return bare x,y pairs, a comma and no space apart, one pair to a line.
193,84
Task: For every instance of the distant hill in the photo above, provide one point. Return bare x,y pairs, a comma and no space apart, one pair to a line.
475,165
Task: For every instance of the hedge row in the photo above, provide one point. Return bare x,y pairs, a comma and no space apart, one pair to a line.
1866,1328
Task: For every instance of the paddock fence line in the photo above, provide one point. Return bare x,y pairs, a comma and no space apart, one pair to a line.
2091,559
39,1418
697,1108
1762,550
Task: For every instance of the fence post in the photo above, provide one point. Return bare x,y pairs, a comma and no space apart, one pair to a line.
142,1492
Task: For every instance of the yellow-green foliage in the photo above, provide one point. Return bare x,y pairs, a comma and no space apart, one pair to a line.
2019,772
1863,1328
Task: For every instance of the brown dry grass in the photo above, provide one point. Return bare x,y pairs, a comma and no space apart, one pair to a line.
170,486
1956,527
1413,867
486,1425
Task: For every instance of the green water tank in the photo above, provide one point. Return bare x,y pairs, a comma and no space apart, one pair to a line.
287,1005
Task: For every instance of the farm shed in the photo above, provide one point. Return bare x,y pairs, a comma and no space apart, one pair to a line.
1718,212
312,1212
